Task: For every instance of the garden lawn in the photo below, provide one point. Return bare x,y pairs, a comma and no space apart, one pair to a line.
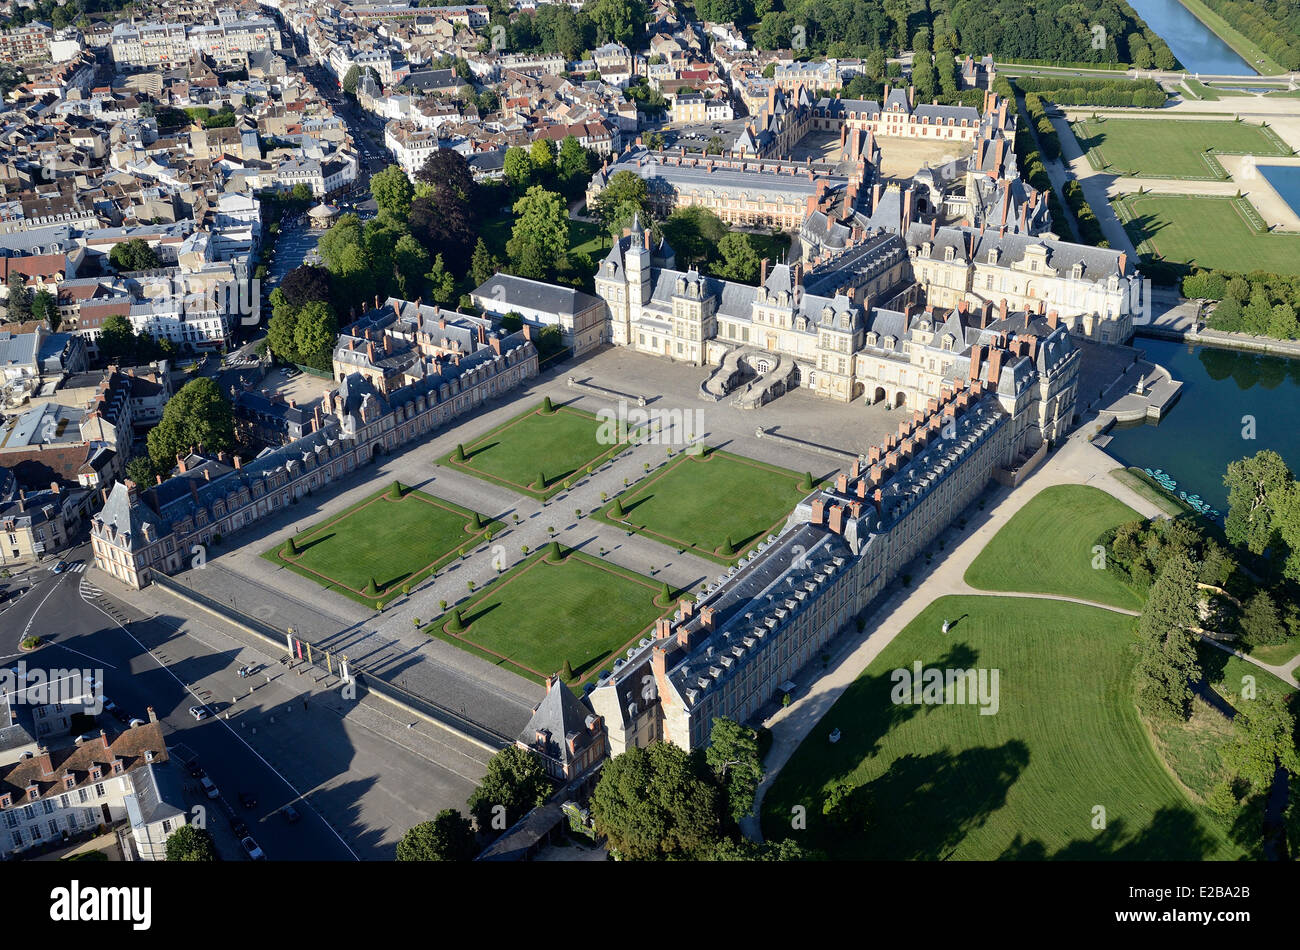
538,615
1170,148
698,502
557,446
1214,233
395,542
1047,548
943,781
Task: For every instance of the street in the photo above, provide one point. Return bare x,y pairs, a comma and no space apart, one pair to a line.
279,736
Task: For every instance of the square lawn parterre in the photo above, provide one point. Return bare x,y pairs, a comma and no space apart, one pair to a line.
558,445
394,542
1170,148
698,502
1221,233
540,614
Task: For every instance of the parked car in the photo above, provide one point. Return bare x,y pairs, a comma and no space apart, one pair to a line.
196,770
248,799
238,826
199,713
290,814
210,787
253,850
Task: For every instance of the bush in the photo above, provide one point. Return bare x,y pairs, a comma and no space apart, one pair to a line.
31,643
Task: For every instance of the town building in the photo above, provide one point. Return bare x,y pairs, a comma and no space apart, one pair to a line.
580,317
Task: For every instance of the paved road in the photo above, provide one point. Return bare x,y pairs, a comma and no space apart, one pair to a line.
328,757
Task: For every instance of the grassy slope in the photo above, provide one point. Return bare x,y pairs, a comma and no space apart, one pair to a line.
1046,548
944,781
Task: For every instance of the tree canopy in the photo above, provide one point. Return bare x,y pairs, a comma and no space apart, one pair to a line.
197,415
448,837
514,785
188,843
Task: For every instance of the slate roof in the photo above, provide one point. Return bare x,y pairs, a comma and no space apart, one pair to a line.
534,295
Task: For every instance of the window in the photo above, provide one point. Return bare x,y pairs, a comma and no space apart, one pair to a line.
99,790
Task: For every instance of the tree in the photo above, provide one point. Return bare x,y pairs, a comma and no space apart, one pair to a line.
188,843
1254,490
573,163
45,309
625,193
483,265
740,260
442,283
694,233
542,156
1166,649
306,283
518,168
787,849
715,145
733,756
657,802
514,785
393,191
132,255
197,415
410,264
116,339
315,334
617,21
1262,741
141,470
540,238
448,837
350,79
18,305
1261,622
281,328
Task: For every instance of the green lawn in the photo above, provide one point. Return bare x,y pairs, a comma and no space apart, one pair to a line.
944,781
698,502
1224,233
554,447
538,615
1047,548
395,543
1171,148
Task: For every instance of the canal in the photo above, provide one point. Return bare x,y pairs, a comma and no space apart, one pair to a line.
1197,47
1227,396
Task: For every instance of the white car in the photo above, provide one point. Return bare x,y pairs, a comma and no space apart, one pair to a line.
253,849
199,713
209,787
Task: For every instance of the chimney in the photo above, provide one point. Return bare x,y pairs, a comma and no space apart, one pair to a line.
706,617
153,716
1123,261
842,483
818,511
54,487
1002,309
550,683
836,523
762,274
239,463
658,665
207,474
995,366
687,607
1053,318
180,463
976,358
663,628
43,759
103,737
157,479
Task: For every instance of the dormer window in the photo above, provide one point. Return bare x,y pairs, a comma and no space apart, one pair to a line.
993,256
949,253
1077,271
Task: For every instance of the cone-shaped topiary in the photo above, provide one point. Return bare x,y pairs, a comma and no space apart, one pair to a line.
546,405
541,481
456,624
665,593
459,454
290,547
477,521
567,672
807,483
372,588
553,552
728,548
618,508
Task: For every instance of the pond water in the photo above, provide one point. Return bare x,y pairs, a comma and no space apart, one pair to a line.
1197,47
1285,179
1223,391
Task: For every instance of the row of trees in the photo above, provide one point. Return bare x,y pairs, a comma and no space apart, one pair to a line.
1260,303
1142,93
1273,25
653,803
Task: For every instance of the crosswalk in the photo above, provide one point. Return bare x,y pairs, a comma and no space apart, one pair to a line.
88,590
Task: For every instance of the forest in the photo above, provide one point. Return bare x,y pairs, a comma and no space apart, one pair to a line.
1272,24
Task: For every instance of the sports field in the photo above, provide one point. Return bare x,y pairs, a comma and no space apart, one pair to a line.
1222,233
536,452
1171,148
714,504
539,615
1048,547
390,542
1063,769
